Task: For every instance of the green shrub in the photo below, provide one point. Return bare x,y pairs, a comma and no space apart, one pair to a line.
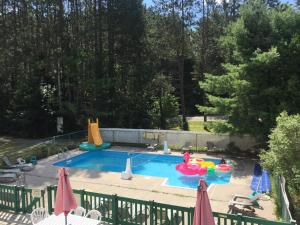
283,156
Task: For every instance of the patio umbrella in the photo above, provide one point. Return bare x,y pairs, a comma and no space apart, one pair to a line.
203,213
65,200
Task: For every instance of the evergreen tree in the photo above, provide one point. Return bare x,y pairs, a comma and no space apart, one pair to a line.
264,79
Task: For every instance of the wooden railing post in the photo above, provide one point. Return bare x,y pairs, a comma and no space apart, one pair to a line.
49,198
192,209
152,212
16,199
43,198
23,197
239,219
115,209
82,194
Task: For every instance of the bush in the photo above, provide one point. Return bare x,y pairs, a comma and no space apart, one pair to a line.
283,156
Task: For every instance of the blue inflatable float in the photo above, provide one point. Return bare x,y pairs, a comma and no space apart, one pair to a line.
261,181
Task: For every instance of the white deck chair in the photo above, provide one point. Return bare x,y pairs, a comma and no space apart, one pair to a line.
38,215
24,167
79,211
94,214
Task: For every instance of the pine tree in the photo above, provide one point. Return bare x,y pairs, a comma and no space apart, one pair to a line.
262,82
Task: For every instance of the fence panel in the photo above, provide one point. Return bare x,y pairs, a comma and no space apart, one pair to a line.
101,202
170,214
88,200
127,211
9,198
20,199
133,211
31,199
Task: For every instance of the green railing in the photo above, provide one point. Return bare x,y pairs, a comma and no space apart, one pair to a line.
20,199
116,209
128,211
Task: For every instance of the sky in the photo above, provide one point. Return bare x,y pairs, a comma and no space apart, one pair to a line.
150,2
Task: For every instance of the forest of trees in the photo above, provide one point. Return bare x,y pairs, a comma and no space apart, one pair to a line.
131,65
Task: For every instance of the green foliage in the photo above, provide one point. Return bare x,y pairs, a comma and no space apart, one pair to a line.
165,105
262,78
283,156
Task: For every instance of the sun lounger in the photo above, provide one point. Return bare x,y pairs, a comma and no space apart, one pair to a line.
23,167
8,177
15,171
154,138
244,201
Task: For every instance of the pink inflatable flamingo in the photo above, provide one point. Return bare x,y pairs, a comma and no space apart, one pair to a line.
186,157
190,169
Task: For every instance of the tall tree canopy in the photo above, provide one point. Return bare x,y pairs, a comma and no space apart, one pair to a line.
112,59
261,77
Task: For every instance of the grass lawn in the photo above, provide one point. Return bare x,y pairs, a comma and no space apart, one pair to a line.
196,126
14,146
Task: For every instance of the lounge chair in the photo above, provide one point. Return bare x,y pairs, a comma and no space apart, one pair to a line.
244,201
8,177
15,171
187,147
23,167
154,140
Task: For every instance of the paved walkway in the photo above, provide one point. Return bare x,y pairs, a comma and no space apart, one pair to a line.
150,188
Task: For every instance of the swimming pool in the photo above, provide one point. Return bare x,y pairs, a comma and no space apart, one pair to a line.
144,164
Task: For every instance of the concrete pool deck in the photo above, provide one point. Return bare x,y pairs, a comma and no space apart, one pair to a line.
151,188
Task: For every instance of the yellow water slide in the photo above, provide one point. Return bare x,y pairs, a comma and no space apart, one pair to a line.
94,136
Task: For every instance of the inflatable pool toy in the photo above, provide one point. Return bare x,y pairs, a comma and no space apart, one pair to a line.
190,169
186,157
207,164
224,167
210,170
196,161
231,162
91,147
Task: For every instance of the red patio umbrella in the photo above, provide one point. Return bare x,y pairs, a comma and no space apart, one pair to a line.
65,200
203,213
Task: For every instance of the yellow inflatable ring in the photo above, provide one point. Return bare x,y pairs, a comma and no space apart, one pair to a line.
207,164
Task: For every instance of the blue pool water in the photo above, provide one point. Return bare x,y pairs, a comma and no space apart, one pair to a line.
143,164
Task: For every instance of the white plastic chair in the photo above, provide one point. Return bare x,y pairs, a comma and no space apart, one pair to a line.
79,211
94,214
38,215
21,161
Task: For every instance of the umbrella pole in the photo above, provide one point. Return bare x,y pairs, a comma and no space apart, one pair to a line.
66,220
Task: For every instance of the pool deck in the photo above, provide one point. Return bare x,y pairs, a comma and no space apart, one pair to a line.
151,188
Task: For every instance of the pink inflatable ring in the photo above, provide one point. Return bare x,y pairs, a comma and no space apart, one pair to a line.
224,167
190,169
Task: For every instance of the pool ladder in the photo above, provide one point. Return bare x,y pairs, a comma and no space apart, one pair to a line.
63,153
